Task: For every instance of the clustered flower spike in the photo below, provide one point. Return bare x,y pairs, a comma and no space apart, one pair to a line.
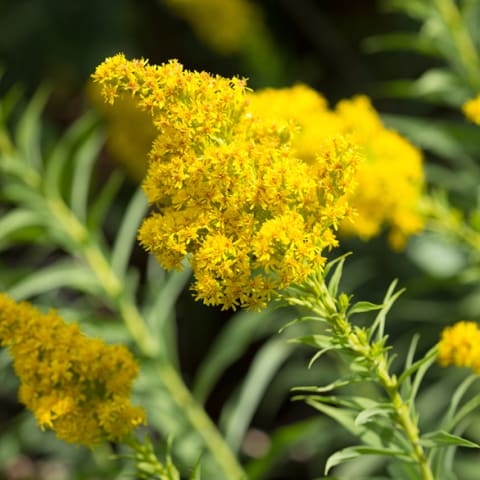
228,190
75,385
460,346
390,179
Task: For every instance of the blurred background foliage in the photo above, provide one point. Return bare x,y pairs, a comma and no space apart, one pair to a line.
418,60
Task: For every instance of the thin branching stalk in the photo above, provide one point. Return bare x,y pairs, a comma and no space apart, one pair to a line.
363,345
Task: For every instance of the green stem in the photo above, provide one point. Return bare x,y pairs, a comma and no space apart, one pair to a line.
112,287
201,422
356,341
409,427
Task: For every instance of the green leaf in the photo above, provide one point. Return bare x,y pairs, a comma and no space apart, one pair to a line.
421,367
341,382
471,405
238,414
163,290
60,159
196,472
316,340
334,281
399,41
435,86
343,417
425,362
296,321
28,129
379,322
368,414
335,261
447,139
351,453
100,205
66,274
361,307
82,161
14,221
457,396
8,103
406,384
235,337
442,438
127,233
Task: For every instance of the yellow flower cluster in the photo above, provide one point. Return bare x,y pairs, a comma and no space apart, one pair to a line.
460,346
223,25
471,109
389,181
75,385
229,192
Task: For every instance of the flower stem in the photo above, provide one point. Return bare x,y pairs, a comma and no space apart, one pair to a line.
201,422
409,427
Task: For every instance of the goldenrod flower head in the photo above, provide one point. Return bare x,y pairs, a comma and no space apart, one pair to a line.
471,109
389,180
75,385
460,346
229,192
223,25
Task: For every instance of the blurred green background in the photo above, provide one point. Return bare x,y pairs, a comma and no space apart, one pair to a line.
326,45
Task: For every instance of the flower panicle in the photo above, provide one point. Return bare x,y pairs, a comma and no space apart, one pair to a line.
228,190
75,385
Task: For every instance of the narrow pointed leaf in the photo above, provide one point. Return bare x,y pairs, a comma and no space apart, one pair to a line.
99,207
29,129
60,159
351,453
361,307
441,438
237,335
61,275
127,233
83,162
263,368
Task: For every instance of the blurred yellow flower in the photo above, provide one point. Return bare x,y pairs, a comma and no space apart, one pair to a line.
130,132
389,180
75,385
224,25
460,346
228,191
471,109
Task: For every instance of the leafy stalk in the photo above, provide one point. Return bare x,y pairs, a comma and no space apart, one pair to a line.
387,422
